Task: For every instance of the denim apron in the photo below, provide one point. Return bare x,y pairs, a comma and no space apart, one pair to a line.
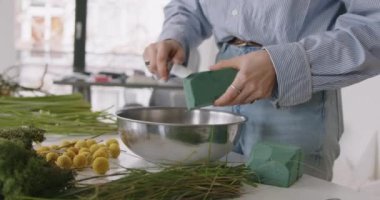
315,126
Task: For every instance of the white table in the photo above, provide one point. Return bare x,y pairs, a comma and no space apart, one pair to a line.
307,188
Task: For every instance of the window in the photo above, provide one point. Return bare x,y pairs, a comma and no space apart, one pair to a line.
44,36
117,32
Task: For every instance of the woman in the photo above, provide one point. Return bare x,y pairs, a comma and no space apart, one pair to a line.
292,57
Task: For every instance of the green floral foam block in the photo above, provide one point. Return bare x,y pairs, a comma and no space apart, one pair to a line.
276,164
202,89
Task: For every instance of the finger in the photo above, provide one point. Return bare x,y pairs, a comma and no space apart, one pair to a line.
227,98
150,55
231,93
241,87
146,54
251,99
230,63
179,57
162,61
240,99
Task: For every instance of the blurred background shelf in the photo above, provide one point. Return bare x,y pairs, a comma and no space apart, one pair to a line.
136,82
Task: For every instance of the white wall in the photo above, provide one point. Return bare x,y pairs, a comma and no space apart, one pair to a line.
208,51
361,104
7,48
358,166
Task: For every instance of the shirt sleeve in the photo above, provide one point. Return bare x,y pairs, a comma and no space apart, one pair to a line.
347,54
186,23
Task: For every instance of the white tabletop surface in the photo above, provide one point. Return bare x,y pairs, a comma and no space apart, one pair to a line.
307,188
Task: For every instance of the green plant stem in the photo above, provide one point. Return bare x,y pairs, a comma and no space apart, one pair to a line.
65,114
174,182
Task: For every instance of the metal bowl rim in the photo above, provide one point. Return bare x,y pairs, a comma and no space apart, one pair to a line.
243,118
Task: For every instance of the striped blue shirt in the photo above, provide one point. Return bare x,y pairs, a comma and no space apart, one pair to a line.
314,44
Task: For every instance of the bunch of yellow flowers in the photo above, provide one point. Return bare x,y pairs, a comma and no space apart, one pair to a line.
81,154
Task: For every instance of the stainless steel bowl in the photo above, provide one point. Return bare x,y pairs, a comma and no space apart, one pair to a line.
177,136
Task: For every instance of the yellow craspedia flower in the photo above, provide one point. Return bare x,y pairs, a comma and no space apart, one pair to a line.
84,149
42,151
80,161
51,156
73,149
90,142
114,150
100,153
94,147
66,144
111,141
64,162
100,165
88,157
70,154
80,143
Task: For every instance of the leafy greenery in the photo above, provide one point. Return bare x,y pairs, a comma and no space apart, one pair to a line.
23,172
26,135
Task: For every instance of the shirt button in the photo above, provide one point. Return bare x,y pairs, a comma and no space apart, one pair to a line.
234,12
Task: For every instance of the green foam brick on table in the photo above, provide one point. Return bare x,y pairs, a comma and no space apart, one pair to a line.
276,164
203,88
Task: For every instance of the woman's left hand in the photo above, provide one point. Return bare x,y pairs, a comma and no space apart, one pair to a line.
255,79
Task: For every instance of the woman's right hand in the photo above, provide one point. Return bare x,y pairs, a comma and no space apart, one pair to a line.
159,54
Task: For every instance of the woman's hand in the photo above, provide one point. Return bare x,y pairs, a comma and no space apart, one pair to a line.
160,53
255,79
